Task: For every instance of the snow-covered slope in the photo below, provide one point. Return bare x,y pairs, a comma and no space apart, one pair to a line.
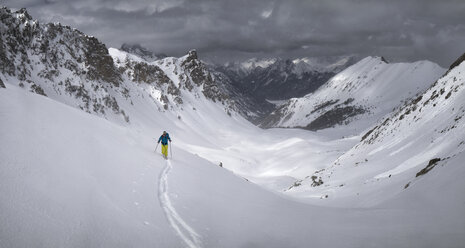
323,64
364,92
422,145
71,179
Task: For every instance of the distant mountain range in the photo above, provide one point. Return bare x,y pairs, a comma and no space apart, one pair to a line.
142,52
311,93
269,81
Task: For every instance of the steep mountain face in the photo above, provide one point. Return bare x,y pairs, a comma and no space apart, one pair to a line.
363,93
248,106
279,79
71,67
422,140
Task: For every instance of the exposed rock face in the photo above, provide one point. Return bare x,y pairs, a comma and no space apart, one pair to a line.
457,62
53,60
24,38
333,117
100,63
146,73
201,77
247,105
142,72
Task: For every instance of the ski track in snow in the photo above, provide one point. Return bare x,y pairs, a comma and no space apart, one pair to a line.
182,229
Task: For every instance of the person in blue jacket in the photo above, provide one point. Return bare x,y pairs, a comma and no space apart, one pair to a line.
164,138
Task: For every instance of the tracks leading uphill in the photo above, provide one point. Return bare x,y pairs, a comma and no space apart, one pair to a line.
182,229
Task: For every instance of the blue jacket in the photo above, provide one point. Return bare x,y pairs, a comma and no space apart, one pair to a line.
164,139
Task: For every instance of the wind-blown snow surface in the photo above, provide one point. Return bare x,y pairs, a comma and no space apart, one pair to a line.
71,179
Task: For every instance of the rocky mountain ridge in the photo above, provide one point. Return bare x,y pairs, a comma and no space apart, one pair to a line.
66,65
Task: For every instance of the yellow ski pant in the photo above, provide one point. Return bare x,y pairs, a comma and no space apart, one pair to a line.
164,150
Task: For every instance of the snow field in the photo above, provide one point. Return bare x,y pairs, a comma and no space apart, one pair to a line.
83,180
70,179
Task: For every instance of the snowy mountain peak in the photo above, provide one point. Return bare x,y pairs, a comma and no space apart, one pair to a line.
247,66
142,52
192,54
323,64
302,65
21,14
253,63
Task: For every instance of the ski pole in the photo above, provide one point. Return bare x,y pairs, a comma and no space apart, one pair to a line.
171,150
156,147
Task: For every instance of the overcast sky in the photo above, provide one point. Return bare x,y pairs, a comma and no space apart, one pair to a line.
400,30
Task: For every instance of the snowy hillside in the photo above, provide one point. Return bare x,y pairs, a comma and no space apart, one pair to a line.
422,145
71,179
363,92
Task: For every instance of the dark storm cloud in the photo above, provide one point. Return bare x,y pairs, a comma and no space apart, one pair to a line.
402,30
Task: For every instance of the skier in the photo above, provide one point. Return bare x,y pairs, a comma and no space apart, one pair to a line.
164,138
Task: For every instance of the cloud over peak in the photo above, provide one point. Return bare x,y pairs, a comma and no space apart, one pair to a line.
400,30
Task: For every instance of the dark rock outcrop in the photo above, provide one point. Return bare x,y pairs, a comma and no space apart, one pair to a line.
457,62
333,117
